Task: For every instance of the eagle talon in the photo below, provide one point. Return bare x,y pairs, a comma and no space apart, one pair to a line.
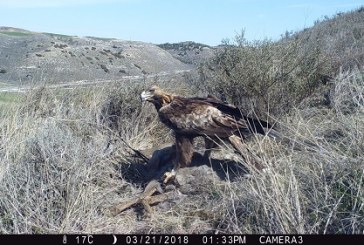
169,175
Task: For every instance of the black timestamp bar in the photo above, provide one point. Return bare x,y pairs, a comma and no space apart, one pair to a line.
233,239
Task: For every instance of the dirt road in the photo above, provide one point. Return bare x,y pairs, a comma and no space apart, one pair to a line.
83,83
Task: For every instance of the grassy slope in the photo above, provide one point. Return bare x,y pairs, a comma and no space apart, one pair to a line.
63,164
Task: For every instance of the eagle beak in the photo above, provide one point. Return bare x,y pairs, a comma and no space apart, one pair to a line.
144,96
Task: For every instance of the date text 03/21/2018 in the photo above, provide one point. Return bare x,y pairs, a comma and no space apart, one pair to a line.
184,240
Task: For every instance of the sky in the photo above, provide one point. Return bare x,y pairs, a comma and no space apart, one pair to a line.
161,21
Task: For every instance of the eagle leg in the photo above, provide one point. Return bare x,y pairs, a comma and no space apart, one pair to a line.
245,153
184,153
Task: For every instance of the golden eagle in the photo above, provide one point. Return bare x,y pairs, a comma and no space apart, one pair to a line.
208,117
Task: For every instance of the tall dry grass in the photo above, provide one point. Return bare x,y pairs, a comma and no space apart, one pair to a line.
315,191
64,154
56,173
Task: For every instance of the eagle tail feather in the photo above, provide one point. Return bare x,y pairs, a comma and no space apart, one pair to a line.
258,126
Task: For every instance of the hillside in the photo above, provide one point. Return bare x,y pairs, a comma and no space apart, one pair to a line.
272,77
340,38
29,57
190,52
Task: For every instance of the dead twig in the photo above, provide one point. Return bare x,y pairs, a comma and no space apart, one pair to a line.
146,198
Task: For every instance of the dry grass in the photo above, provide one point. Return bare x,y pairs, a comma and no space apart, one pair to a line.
316,191
63,164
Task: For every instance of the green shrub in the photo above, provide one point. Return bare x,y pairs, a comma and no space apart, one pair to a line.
264,75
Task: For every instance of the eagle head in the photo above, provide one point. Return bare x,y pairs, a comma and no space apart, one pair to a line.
151,94
156,96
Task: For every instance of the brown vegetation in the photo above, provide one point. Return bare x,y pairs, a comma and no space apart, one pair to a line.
66,156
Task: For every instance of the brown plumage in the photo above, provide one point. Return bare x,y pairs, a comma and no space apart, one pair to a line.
208,117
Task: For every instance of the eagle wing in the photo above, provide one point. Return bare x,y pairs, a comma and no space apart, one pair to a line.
202,116
254,125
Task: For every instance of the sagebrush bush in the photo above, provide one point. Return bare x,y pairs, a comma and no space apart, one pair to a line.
265,76
271,77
